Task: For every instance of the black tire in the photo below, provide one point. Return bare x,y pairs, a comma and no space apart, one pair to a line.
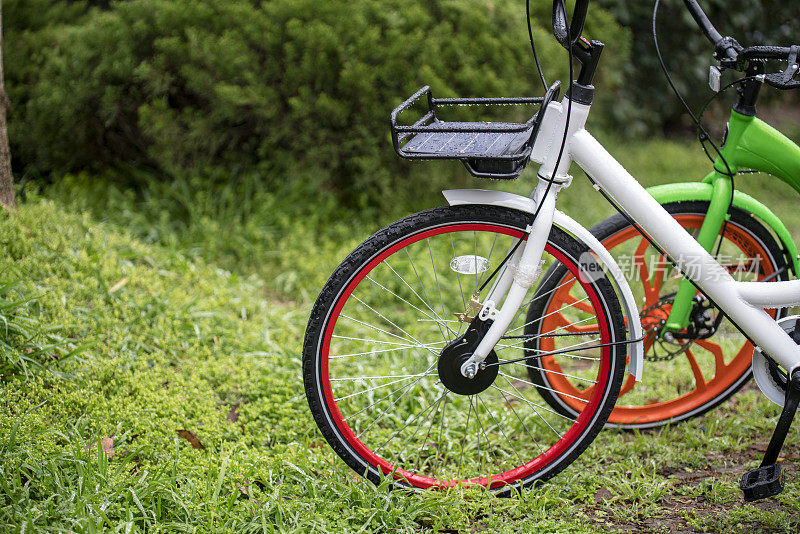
375,284
636,408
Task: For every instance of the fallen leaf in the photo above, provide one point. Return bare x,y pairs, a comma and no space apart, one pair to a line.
602,495
190,436
257,483
107,444
119,285
233,415
478,527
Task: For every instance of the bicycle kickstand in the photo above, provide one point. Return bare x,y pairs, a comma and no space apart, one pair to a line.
767,480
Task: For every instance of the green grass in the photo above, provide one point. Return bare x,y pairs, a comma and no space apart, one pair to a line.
184,307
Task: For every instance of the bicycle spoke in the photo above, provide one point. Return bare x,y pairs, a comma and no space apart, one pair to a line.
458,275
373,327
576,345
699,380
439,442
577,304
546,422
424,291
384,351
425,441
500,428
570,280
425,302
551,372
378,387
406,425
538,386
545,316
352,378
436,277
716,350
531,404
420,425
402,345
390,322
514,411
464,440
489,259
486,442
387,396
545,335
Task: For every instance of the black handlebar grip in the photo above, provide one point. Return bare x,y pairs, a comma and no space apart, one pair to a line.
576,25
702,20
765,52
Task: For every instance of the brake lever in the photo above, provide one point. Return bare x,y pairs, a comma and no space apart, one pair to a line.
785,79
791,69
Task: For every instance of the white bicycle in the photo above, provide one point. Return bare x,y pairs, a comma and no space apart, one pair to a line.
419,350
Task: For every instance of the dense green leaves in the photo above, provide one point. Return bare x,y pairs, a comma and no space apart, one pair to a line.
647,102
283,86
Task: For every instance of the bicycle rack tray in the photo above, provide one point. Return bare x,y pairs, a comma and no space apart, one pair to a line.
498,150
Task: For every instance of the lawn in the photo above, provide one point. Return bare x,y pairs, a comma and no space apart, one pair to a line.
150,353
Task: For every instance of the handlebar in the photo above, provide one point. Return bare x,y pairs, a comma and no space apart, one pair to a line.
765,52
575,25
724,47
732,55
702,20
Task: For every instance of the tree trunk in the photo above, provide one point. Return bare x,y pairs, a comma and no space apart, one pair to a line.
7,197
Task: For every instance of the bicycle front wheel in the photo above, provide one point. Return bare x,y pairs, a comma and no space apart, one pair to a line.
375,365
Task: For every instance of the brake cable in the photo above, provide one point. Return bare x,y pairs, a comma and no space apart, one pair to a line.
533,45
552,178
702,134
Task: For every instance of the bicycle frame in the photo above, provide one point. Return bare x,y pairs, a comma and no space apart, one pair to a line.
753,144
743,302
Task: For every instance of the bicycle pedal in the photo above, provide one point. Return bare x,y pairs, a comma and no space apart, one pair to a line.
763,482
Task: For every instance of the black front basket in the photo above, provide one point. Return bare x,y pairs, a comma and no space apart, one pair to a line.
499,150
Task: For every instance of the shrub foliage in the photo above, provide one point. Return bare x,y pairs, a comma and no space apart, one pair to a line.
647,102
283,86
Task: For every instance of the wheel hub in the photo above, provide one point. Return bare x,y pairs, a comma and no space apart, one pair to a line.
672,344
459,351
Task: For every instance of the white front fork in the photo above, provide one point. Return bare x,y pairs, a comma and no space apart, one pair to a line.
550,148
524,273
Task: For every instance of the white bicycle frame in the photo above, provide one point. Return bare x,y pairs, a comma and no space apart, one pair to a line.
743,302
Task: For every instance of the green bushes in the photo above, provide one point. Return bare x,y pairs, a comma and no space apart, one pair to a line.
289,87
647,102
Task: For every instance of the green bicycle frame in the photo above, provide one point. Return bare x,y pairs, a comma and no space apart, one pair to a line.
751,144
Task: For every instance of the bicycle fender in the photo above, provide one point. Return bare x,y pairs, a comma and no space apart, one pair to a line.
457,197
678,192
